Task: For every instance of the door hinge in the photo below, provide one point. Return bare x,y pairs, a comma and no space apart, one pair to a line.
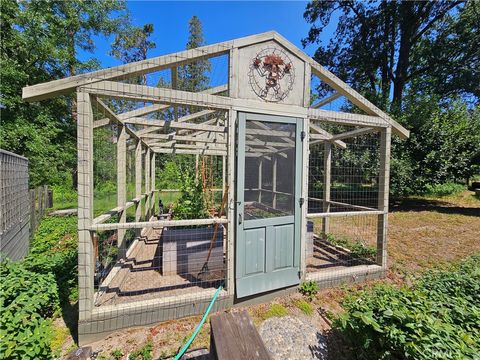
302,135
301,201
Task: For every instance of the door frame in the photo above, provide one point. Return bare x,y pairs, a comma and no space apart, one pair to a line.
242,118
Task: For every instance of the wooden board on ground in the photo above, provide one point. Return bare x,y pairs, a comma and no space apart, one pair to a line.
233,336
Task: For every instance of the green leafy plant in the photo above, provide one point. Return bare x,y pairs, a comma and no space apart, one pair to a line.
357,248
191,204
308,289
304,307
436,318
27,300
144,353
116,354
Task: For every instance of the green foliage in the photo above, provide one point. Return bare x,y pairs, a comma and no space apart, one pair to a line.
357,248
27,299
144,353
308,289
54,250
45,132
304,307
33,289
191,204
440,190
276,310
116,354
437,318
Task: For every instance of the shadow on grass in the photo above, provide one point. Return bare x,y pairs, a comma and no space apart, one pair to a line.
444,207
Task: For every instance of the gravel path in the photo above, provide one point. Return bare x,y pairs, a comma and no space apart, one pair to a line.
291,337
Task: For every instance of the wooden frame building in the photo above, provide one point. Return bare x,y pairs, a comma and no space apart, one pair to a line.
262,115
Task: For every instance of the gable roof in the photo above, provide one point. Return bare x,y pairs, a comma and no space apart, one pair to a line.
64,86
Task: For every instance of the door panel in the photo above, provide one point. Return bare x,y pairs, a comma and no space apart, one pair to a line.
268,207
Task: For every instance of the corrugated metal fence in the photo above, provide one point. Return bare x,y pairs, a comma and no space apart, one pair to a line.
20,208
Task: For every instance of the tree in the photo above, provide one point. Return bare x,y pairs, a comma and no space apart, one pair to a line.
193,76
382,48
40,41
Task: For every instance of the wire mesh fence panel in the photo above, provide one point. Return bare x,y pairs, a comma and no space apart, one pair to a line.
342,190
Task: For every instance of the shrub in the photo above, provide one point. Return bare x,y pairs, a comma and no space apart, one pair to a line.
144,353
437,318
191,204
446,189
26,299
308,289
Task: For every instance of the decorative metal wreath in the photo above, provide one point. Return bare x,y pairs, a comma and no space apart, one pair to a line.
271,74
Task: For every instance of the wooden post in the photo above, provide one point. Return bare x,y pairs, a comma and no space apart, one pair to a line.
383,192
304,220
152,181
224,167
231,127
121,186
260,169
147,184
274,180
138,181
196,167
327,178
86,264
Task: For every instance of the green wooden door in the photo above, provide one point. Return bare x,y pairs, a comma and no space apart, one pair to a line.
269,178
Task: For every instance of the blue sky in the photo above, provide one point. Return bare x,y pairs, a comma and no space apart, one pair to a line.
222,20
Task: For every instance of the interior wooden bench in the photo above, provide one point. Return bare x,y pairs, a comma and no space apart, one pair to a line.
234,337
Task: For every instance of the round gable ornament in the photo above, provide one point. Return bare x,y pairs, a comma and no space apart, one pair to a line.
271,75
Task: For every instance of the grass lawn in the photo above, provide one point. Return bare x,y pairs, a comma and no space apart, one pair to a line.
423,232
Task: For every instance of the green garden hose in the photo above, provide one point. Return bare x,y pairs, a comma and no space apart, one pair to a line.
189,342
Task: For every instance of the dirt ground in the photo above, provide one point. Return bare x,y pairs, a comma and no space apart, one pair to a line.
423,232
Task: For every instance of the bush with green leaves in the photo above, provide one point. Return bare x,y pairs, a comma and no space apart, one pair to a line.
439,190
33,289
27,300
308,289
191,204
436,318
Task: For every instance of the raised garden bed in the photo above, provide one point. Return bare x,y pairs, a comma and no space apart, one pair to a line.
185,250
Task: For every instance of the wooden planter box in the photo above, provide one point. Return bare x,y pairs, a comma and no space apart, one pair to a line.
184,251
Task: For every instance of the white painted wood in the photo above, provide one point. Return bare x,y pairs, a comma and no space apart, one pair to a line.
86,261
353,133
303,222
383,193
188,151
357,99
342,213
138,181
327,100
327,135
121,186
173,125
327,179
157,224
147,183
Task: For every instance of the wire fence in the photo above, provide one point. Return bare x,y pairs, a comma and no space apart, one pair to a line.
21,209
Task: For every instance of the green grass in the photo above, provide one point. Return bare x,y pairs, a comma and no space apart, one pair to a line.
275,310
304,307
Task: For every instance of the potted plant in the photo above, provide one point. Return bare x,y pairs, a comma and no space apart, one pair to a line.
185,249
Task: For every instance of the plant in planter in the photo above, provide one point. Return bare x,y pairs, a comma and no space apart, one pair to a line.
185,249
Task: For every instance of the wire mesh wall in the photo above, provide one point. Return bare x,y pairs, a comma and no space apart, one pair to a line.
342,190
137,178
